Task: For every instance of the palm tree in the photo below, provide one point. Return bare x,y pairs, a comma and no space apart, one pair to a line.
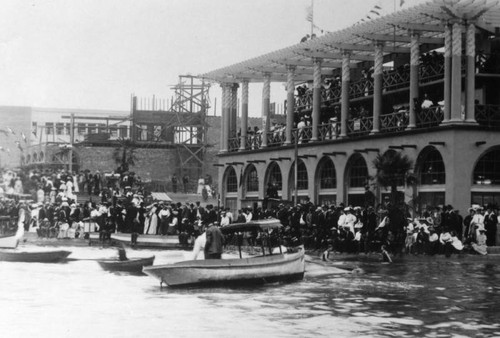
392,168
124,154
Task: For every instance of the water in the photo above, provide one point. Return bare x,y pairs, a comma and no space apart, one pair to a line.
78,299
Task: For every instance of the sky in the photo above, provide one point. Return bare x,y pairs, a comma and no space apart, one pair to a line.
93,54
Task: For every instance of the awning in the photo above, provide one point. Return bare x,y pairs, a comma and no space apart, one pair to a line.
161,196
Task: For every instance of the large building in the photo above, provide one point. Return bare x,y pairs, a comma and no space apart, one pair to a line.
422,81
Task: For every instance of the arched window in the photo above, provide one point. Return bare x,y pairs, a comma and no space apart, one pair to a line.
358,172
35,157
327,175
252,179
275,176
40,158
302,179
487,170
231,180
432,168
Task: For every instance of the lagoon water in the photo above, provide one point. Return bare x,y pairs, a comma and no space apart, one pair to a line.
78,299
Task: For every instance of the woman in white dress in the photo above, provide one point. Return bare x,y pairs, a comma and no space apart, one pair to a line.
201,185
151,224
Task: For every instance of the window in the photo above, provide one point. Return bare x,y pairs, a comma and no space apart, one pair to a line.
487,170
275,176
327,175
302,180
252,179
358,172
232,181
59,128
123,131
81,128
432,168
49,128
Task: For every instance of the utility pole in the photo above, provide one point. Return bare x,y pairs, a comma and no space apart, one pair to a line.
71,141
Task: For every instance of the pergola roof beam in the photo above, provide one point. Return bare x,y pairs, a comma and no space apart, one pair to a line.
420,27
335,56
399,38
324,64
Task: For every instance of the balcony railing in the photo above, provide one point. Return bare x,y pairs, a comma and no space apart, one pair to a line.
363,87
359,126
429,117
394,122
488,115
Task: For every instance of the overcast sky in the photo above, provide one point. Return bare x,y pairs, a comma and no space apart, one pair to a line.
94,54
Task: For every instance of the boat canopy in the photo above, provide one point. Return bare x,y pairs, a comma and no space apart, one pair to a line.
260,225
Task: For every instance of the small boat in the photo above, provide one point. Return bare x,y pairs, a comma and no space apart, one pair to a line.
273,267
36,256
133,265
142,241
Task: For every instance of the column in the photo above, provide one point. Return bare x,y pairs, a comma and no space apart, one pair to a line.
290,103
346,78
316,109
244,114
266,96
414,78
456,74
225,118
234,110
377,87
471,74
447,73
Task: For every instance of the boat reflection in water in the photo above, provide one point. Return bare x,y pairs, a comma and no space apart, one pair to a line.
78,298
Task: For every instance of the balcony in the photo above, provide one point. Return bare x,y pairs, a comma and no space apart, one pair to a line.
486,116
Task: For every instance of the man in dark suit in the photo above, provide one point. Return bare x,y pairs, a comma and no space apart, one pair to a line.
215,240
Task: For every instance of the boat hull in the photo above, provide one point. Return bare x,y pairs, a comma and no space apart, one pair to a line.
255,270
148,241
9,242
53,256
133,265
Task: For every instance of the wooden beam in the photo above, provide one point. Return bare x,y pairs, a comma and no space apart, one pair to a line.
419,27
400,38
369,48
324,64
335,56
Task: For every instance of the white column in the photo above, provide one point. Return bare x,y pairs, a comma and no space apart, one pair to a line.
471,74
377,87
456,74
244,114
316,111
266,97
290,103
414,78
346,79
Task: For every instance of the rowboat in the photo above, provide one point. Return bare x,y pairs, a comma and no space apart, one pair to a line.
35,256
147,241
133,265
268,268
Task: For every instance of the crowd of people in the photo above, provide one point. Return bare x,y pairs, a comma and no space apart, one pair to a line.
340,228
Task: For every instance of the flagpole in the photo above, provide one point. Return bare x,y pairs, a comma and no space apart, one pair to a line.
312,18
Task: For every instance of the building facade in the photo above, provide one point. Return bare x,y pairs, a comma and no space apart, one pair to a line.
423,82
